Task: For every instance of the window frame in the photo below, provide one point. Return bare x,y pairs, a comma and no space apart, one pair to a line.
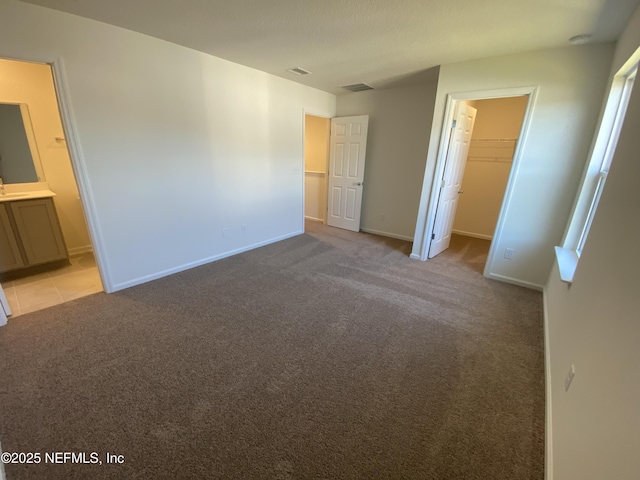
595,176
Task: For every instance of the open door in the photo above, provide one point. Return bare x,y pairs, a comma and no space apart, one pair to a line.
348,146
452,178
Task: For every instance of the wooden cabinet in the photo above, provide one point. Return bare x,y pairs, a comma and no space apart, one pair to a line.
10,257
30,234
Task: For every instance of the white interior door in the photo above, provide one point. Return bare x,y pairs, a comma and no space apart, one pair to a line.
452,178
348,147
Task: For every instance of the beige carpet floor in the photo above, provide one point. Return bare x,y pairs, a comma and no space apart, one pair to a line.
330,355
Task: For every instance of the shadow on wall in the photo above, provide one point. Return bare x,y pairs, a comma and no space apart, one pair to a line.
421,77
400,117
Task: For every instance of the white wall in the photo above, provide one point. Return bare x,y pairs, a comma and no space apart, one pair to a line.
176,144
32,84
316,149
399,125
489,161
571,84
594,323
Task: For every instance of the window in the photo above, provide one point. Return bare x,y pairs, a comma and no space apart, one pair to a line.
596,173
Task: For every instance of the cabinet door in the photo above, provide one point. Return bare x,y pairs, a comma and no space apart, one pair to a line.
39,230
10,257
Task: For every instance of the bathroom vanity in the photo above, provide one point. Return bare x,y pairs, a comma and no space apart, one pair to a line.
30,236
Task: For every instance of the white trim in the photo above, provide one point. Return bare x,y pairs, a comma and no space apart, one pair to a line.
387,234
197,263
515,281
313,219
80,250
471,234
548,426
317,113
567,263
79,170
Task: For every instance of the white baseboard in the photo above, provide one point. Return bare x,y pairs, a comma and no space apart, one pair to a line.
314,219
471,234
548,427
387,234
80,250
188,266
515,281
415,256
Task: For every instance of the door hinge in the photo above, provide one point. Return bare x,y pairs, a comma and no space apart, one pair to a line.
433,236
453,124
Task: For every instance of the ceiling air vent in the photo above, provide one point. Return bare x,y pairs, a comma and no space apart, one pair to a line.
299,71
357,87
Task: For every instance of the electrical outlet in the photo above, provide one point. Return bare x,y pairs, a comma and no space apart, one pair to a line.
243,228
569,378
508,253
383,216
225,231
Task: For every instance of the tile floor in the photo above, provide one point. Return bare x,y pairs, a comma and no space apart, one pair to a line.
44,290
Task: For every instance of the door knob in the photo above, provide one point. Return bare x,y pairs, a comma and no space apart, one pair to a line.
460,191
359,184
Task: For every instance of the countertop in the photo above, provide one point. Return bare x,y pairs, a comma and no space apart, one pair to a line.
10,197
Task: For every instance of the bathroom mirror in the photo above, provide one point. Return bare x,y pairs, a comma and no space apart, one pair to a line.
19,158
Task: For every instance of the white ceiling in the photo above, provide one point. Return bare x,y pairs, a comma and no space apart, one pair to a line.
350,41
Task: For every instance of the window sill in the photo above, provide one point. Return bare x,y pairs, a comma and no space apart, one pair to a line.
567,263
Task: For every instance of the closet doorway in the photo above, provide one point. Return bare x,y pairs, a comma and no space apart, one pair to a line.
487,169
489,161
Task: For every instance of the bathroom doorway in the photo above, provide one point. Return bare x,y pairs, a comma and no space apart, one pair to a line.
49,256
316,167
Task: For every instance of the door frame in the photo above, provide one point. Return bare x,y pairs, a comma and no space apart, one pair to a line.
76,157
445,136
328,116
